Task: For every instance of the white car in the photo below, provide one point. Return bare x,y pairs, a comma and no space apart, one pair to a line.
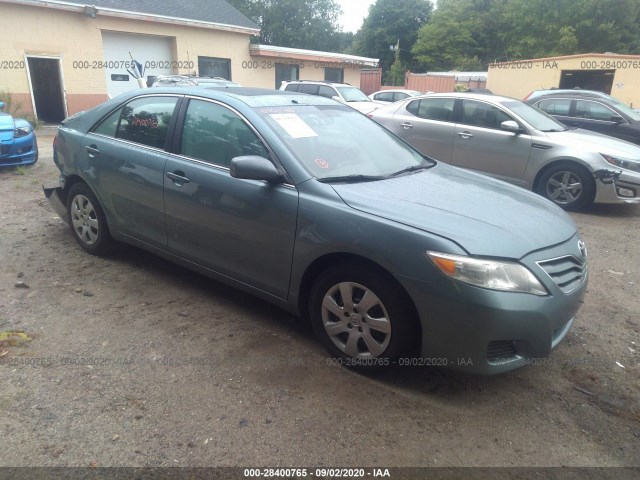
394,95
341,92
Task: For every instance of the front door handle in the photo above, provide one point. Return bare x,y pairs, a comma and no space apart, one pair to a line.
178,178
93,150
465,135
407,125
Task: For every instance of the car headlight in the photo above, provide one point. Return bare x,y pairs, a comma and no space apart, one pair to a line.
21,132
627,163
491,274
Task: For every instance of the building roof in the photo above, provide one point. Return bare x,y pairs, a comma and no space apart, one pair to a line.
204,13
312,55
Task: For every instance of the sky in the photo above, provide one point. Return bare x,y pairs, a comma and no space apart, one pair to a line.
354,12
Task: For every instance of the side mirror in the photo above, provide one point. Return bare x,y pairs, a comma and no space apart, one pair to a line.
511,126
253,167
336,98
616,119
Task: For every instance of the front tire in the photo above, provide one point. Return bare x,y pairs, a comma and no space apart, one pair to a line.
364,319
87,220
571,187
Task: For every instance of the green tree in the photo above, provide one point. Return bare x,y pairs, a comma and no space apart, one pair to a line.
464,33
309,24
388,22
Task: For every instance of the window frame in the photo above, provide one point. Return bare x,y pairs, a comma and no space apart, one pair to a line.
593,101
176,144
569,111
170,127
461,121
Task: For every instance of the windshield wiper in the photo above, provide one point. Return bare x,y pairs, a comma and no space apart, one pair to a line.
352,179
552,130
414,168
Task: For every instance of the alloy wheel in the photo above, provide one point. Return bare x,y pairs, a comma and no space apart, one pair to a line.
564,187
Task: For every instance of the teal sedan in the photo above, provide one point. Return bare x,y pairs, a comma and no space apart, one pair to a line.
396,259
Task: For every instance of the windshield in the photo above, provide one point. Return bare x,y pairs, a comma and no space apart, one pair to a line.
352,94
339,143
535,117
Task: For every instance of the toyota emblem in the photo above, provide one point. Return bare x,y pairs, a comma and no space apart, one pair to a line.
583,248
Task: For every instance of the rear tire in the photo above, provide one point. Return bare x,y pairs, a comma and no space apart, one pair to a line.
364,319
87,220
571,187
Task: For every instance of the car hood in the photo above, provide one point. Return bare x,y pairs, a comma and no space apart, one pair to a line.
586,140
7,126
484,216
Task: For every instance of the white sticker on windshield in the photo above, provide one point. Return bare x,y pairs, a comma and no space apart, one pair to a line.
294,125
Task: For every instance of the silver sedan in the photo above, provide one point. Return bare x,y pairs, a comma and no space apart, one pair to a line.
512,141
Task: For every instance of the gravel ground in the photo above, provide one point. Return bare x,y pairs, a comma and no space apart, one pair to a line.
184,371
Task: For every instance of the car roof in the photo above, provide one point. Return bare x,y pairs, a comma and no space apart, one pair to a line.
472,96
320,82
252,97
571,93
401,90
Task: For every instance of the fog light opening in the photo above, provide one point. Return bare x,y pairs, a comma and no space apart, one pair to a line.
626,192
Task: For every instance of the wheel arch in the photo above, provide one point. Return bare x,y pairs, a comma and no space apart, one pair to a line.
325,261
72,180
563,161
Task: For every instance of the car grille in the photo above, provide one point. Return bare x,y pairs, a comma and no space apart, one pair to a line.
568,272
501,351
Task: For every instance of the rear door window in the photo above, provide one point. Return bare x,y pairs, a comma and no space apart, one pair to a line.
328,92
310,89
440,109
483,115
146,121
555,106
385,97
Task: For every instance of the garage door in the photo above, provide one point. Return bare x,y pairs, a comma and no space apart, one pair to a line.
151,51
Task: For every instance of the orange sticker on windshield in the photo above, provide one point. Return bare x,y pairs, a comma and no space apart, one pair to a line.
321,163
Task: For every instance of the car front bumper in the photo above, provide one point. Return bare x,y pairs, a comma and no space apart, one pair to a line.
19,151
484,331
617,186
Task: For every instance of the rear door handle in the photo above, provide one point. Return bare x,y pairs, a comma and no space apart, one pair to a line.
407,125
465,135
93,150
178,178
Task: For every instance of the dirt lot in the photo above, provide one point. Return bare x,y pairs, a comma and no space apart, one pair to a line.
184,371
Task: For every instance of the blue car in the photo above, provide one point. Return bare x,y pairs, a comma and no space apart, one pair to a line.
18,144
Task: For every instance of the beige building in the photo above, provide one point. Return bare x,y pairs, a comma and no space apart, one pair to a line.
61,57
617,75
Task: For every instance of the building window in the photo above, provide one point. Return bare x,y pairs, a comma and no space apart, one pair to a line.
334,75
286,73
214,67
